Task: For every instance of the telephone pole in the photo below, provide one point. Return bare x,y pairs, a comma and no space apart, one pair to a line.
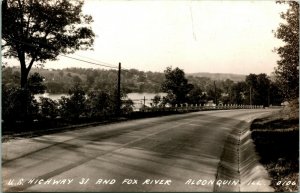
215,93
119,92
250,95
269,96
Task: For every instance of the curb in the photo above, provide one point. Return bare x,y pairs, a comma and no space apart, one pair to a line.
240,164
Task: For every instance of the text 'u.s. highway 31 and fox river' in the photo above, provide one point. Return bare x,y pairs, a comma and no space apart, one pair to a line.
132,181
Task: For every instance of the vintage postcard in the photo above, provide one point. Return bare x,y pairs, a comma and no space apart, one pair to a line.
150,96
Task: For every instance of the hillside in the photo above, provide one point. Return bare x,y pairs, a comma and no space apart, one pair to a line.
59,81
219,76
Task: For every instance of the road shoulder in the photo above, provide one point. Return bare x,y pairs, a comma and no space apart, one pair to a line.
277,142
240,162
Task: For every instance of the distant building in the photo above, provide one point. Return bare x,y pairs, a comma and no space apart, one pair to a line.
210,103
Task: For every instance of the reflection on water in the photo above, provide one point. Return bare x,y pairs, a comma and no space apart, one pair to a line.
137,98
49,95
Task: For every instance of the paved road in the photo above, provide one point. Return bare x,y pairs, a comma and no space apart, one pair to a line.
170,153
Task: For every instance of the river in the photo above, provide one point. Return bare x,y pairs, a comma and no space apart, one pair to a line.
137,98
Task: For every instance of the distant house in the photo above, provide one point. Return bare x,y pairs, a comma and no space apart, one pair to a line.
210,103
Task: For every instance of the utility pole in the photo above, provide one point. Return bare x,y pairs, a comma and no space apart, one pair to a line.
269,97
215,93
144,101
119,92
250,95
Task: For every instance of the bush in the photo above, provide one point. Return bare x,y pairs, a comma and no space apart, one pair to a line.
99,104
127,107
156,100
18,104
74,107
49,108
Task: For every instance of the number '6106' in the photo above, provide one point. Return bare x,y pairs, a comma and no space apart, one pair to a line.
286,183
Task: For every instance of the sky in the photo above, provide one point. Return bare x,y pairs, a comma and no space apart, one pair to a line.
196,36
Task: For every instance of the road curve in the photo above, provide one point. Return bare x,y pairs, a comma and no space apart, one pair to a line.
185,152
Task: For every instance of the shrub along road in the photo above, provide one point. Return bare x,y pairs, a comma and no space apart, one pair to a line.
201,151
277,142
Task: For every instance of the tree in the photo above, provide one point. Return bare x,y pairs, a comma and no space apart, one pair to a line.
90,79
227,90
287,70
76,79
18,104
214,93
99,104
250,91
40,30
35,84
55,87
156,100
127,106
238,91
258,89
196,96
263,89
10,77
49,108
276,96
75,106
177,85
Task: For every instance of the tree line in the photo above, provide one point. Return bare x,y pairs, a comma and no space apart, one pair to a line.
20,105
199,90
97,103
59,81
257,89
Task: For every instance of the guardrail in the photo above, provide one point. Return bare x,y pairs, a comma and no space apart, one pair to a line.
196,107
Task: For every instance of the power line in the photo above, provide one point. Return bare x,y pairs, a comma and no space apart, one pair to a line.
88,61
98,61
81,60
99,64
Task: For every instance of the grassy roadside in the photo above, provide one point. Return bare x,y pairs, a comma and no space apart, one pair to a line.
36,129
21,131
277,142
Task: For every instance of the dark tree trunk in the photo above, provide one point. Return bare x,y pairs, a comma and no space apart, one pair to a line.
24,70
24,77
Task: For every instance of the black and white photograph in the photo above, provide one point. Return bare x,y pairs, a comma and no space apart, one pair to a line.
150,96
